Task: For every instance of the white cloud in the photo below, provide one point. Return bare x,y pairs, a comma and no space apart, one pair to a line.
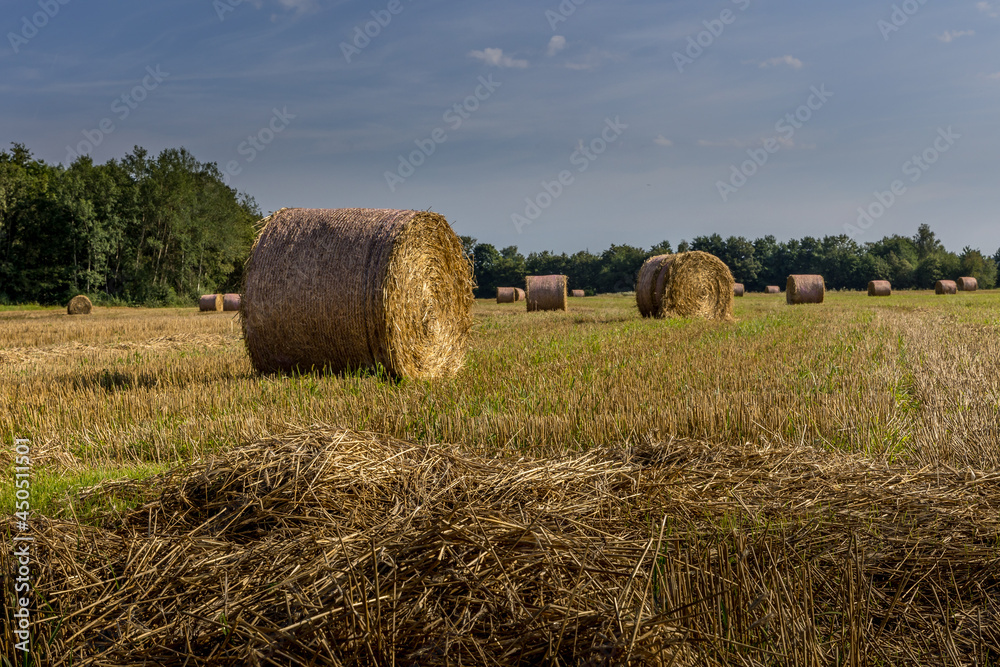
950,35
661,140
792,62
994,77
556,44
988,9
496,58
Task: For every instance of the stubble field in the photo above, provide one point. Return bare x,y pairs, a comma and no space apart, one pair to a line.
815,485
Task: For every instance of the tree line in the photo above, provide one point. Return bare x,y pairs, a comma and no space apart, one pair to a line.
140,230
915,262
145,230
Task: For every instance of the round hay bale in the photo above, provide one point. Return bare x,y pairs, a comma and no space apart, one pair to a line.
698,285
546,292
211,302
805,289
967,284
879,288
945,287
506,295
344,289
577,293
231,302
79,305
650,283
772,289
518,294
738,289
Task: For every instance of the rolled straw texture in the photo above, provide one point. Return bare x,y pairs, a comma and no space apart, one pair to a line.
945,287
343,289
738,289
805,289
879,288
772,289
518,294
690,284
577,293
79,305
546,293
967,284
649,285
211,302
231,302
506,295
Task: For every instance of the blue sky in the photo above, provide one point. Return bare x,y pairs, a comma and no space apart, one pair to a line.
653,138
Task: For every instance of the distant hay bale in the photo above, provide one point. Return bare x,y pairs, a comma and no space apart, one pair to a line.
546,293
577,293
689,284
738,289
805,289
967,284
879,288
945,287
506,295
650,283
231,302
211,302
347,289
518,294
79,305
772,289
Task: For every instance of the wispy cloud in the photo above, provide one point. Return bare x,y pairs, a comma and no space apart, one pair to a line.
661,140
950,35
993,77
556,44
496,58
988,9
790,61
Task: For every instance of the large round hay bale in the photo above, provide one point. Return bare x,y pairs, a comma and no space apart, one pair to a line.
738,289
79,305
805,289
577,293
967,284
879,288
231,302
945,287
689,284
650,283
344,289
506,295
546,292
772,289
211,302
518,294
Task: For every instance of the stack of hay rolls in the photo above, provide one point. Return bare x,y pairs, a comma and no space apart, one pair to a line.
967,284
879,288
346,289
546,292
211,302
772,289
945,287
739,289
79,305
506,295
689,284
231,302
805,289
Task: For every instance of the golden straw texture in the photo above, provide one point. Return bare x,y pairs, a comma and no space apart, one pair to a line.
210,302
79,305
690,284
343,289
546,292
519,294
